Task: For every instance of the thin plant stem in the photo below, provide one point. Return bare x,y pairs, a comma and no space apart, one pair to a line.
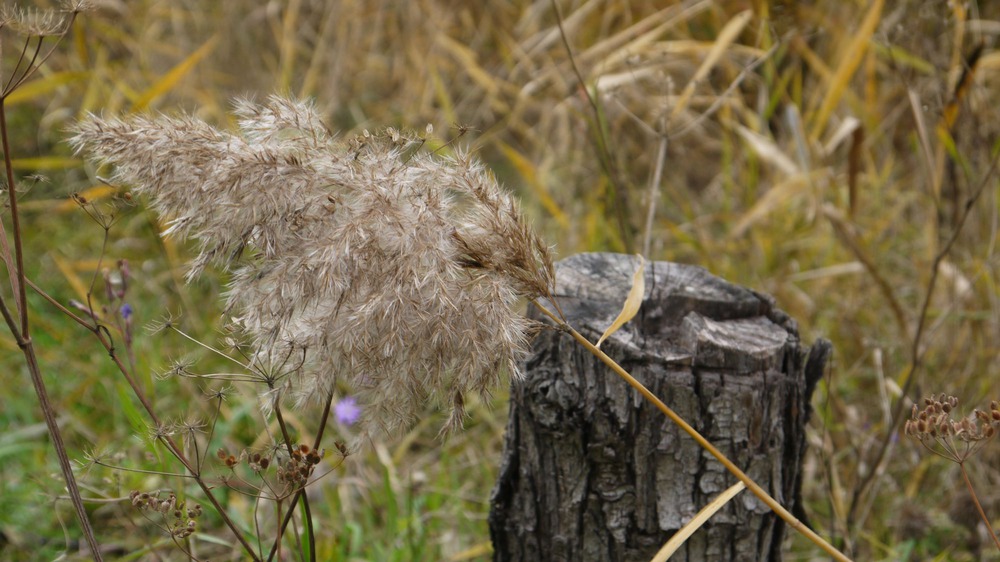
172,445
654,194
916,352
278,539
14,82
20,330
52,424
20,327
305,499
604,153
103,337
75,317
10,87
754,488
15,220
37,62
979,507
97,271
20,60
327,407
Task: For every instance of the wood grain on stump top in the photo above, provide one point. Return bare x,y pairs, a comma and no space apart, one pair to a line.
591,471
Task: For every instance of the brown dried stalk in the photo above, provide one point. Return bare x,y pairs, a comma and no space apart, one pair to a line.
955,440
35,27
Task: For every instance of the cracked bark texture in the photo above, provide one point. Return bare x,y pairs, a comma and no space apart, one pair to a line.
592,472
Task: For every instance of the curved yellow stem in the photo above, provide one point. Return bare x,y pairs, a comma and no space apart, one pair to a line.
754,488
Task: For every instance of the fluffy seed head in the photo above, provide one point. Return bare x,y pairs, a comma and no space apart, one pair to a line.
392,269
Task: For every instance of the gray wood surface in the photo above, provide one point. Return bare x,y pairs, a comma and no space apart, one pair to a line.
592,472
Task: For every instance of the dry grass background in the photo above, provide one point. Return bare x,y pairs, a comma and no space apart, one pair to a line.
820,152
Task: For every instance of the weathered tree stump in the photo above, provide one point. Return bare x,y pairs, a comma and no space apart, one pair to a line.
593,472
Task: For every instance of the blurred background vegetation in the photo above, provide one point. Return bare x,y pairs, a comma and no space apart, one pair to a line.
821,152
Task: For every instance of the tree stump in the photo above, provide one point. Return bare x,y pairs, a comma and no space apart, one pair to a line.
592,472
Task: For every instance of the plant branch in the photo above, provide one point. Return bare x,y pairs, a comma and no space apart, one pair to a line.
305,499
195,471
172,445
15,221
607,161
301,493
979,507
916,354
52,424
37,62
20,330
51,300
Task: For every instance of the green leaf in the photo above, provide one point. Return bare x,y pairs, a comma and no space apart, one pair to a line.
135,419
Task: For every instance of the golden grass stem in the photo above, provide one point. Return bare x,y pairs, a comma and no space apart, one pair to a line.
761,494
696,522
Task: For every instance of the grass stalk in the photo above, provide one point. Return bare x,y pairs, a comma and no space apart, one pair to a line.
103,336
604,154
20,329
916,347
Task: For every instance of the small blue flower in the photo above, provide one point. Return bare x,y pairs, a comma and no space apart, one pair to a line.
126,311
347,411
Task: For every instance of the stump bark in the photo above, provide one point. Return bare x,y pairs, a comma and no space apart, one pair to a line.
593,472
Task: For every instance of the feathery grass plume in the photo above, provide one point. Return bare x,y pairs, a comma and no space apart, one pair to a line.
392,268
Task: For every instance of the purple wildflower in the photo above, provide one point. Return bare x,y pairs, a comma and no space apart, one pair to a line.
347,411
126,311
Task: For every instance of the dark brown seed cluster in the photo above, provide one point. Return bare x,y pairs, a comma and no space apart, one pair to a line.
954,439
258,463
230,460
182,520
292,469
300,465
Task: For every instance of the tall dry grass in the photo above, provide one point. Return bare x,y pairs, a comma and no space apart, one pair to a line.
826,154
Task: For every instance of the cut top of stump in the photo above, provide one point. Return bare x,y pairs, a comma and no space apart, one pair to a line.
688,316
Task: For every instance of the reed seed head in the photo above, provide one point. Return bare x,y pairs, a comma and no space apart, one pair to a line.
396,270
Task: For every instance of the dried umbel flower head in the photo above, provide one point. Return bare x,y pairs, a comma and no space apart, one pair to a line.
952,439
182,521
395,269
36,23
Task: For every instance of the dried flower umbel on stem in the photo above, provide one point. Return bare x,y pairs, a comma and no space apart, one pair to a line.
394,270
955,440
